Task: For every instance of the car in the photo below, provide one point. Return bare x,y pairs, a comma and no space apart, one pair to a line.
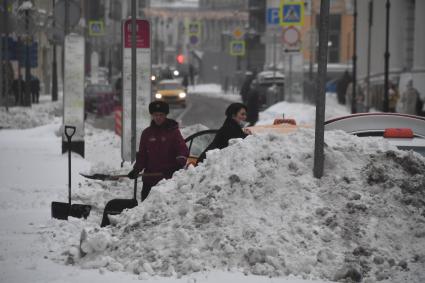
171,91
271,87
99,99
406,132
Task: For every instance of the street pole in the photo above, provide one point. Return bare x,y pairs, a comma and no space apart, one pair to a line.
369,43
354,94
386,55
312,44
5,65
133,86
133,80
27,96
54,66
274,54
321,98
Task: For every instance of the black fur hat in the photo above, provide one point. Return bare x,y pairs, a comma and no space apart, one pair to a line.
159,106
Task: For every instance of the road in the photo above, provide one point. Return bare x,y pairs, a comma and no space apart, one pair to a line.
208,111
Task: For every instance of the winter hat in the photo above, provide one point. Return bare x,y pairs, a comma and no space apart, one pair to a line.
234,108
159,106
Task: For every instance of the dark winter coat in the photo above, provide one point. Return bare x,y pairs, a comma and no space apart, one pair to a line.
229,130
253,105
162,150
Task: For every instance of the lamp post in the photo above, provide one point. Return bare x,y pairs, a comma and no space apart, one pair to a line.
354,94
54,66
387,54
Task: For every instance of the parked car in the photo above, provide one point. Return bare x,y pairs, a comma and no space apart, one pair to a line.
99,99
271,87
171,91
406,132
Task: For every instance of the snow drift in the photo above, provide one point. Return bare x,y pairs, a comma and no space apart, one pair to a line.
255,207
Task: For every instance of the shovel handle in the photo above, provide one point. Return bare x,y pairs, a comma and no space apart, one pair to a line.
69,132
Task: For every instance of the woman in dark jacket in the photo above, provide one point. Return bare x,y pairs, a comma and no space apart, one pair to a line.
232,128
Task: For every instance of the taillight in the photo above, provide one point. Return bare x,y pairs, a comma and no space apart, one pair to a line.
398,133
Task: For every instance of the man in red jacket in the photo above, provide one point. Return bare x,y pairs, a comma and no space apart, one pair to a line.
162,148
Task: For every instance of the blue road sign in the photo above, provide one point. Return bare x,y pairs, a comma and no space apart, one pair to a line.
292,13
11,54
273,16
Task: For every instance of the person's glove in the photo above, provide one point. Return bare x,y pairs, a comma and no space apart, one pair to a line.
133,174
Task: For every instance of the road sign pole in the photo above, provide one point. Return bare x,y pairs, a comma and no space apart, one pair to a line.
27,93
354,94
5,65
133,80
321,98
387,55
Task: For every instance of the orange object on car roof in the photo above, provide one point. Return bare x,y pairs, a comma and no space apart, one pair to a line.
398,133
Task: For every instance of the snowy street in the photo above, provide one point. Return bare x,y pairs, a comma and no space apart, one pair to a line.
251,213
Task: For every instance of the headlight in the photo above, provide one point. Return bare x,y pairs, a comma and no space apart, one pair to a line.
176,73
158,96
182,95
153,78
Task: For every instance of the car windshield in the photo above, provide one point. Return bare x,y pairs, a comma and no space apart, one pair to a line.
169,86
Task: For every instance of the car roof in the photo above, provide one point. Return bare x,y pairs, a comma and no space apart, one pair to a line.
364,123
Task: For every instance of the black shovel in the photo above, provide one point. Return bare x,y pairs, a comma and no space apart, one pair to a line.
116,206
61,210
109,177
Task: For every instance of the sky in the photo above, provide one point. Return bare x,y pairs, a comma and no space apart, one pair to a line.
252,212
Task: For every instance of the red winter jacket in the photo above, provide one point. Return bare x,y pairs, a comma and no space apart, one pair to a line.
162,150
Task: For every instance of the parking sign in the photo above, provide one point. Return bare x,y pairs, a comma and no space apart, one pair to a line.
273,16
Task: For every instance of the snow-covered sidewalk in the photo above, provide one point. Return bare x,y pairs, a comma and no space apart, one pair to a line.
251,211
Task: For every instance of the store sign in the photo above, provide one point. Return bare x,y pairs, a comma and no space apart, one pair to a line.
143,83
73,96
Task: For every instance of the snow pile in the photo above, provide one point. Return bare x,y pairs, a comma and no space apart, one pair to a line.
30,117
255,207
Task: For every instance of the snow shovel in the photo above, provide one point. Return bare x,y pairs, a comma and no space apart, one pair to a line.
61,210
116,206
108,177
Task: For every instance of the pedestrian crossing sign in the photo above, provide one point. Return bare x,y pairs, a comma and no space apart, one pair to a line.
292,13
96,28
237,48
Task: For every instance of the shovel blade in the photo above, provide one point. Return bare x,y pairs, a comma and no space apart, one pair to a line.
80,210
60,210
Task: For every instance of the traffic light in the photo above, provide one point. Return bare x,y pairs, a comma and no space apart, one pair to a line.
180,58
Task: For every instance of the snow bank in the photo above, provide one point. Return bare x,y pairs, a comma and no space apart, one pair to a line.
30,117
255,207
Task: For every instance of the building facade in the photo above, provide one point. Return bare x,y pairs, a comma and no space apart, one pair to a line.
406,47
